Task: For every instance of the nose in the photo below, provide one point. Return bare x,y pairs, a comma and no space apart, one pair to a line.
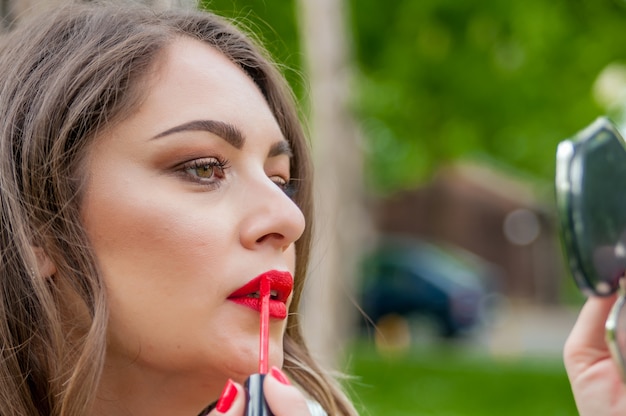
272,218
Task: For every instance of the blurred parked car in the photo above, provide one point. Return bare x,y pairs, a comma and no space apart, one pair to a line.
408,277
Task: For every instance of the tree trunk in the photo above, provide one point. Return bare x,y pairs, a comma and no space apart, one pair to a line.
340,224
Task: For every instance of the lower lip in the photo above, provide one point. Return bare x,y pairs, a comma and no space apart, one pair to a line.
278,309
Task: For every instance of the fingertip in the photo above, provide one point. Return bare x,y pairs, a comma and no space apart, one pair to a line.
284,398
279,376
588,334
592,317
231,399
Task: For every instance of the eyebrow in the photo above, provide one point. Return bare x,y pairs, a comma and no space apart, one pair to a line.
226,131
280,148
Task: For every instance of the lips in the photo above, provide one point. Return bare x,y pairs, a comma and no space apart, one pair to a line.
281,285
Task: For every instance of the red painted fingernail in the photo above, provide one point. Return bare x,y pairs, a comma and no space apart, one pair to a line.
227,398
280,376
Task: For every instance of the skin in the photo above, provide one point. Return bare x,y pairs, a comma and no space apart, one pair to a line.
596,383
174,237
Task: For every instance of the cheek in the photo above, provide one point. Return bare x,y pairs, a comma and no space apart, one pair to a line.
152,233
158,265
160,254
138,220
158,248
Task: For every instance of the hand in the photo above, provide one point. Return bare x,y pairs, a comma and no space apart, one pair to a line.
282,398
596,382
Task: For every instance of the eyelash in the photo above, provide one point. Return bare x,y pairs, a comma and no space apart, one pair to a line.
215,166
287,186
221,165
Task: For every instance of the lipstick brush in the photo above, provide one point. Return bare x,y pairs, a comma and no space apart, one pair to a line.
255,403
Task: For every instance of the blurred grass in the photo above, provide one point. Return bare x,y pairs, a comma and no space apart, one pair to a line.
442,380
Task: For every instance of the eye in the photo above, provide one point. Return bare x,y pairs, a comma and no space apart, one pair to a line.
287,186
207,171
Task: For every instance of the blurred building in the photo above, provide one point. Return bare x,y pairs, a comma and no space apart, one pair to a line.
490,214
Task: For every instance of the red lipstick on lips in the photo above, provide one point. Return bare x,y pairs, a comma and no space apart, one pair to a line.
267,293
281,285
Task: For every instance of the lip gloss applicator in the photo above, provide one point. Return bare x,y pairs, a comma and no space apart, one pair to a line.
255,403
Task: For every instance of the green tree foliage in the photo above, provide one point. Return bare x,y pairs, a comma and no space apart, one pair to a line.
275,24
505,80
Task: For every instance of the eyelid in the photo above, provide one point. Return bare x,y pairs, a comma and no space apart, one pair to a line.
279,168
214,162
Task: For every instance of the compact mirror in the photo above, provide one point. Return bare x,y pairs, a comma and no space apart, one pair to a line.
591,202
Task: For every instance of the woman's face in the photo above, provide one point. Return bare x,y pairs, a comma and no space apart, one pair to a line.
185,204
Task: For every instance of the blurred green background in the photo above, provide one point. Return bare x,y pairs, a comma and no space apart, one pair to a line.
437,81
446,381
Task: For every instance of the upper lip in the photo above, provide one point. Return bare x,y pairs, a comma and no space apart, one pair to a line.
281,284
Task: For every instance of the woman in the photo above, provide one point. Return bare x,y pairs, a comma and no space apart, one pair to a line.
153,170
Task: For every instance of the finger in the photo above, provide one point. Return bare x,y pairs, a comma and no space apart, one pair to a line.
283,398
586,343
589,329
231,401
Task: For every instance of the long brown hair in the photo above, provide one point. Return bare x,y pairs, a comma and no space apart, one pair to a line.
65,77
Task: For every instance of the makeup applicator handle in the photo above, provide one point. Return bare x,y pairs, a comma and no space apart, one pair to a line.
255,399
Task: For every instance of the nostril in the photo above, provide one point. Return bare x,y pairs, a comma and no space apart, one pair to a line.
274,236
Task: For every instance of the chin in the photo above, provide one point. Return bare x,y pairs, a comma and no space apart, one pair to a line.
250,365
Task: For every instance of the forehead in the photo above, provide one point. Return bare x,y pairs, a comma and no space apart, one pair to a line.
194,81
